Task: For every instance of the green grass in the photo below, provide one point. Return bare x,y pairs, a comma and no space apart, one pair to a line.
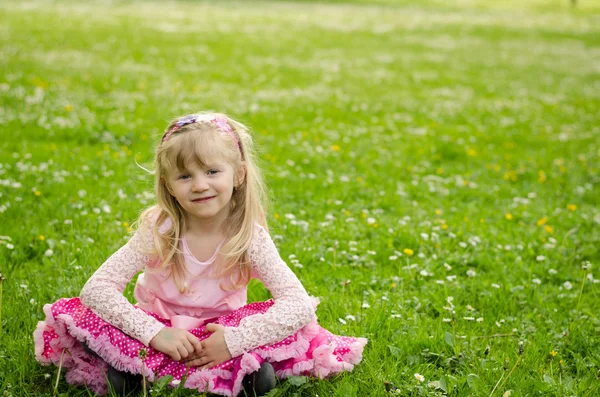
383,126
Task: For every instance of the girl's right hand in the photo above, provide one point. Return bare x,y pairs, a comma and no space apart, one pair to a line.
176,343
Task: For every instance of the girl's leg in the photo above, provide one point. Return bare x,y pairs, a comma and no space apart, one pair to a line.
121,382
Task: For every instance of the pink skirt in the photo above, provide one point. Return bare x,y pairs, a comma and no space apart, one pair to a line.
311,351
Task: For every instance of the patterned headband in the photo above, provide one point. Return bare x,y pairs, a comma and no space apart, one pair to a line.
221,123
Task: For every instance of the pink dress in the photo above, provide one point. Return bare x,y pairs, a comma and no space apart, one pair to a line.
282,331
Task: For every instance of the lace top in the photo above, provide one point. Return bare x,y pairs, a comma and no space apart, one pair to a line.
103,293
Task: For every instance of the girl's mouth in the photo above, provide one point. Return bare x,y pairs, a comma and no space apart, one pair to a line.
203,200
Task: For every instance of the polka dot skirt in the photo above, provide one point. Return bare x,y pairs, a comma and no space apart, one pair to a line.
312,351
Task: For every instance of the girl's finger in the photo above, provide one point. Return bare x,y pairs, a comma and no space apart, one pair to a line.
194,363
208,365
195,342
188,346
183,353
198,362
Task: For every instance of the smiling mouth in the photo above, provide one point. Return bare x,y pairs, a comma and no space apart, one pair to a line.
202,200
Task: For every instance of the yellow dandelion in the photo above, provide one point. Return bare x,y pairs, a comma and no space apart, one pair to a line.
408,251
572,207
276,216
548,229
346,212
359,179
553,353
438,212
37,192
542,221
444,226
68,108
481,220
466,219
541,176
363,215
508,216
472,152
335,148
126,224
42,237
440,171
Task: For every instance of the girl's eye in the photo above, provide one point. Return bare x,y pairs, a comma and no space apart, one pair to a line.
184,176
212,172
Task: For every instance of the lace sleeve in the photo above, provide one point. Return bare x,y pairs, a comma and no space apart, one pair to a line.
103,292
291,311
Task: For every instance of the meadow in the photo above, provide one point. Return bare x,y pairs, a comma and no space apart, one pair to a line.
433,170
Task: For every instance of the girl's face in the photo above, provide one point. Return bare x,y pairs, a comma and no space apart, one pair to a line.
204,192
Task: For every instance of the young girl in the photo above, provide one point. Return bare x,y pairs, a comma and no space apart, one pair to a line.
198,247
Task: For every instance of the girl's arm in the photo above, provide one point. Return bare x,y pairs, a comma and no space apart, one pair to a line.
103,292
291,311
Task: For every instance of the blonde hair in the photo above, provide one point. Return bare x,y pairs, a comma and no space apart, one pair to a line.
197,142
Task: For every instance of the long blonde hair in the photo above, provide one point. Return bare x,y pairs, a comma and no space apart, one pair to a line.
197,142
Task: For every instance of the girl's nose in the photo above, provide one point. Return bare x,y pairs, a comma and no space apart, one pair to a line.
200,184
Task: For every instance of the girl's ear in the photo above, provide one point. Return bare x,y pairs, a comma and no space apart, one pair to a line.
240,176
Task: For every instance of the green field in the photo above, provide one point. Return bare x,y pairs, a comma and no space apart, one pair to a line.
433,169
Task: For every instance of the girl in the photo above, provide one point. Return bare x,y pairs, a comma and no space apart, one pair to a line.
198,247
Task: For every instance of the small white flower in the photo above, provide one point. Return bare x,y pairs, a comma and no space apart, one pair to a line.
463,244
471,273
365,305
393,257
480,320
49,252
536,281
424,273
494,285
10,246
47,376
419,377
553,271
96,210
24,286
540,258
68,222
447,320
341,320
371,221
176,382
469,318
350,317
90,240
447,266
32,301
567,285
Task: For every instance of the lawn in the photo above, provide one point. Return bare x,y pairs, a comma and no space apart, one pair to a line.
433,170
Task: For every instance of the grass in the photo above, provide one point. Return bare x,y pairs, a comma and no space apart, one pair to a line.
433,167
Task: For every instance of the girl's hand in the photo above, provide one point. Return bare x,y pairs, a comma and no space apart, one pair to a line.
176,343
214,349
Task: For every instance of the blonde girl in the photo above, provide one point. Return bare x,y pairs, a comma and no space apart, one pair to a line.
197,248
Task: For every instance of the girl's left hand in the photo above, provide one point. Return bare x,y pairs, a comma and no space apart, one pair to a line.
214,349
